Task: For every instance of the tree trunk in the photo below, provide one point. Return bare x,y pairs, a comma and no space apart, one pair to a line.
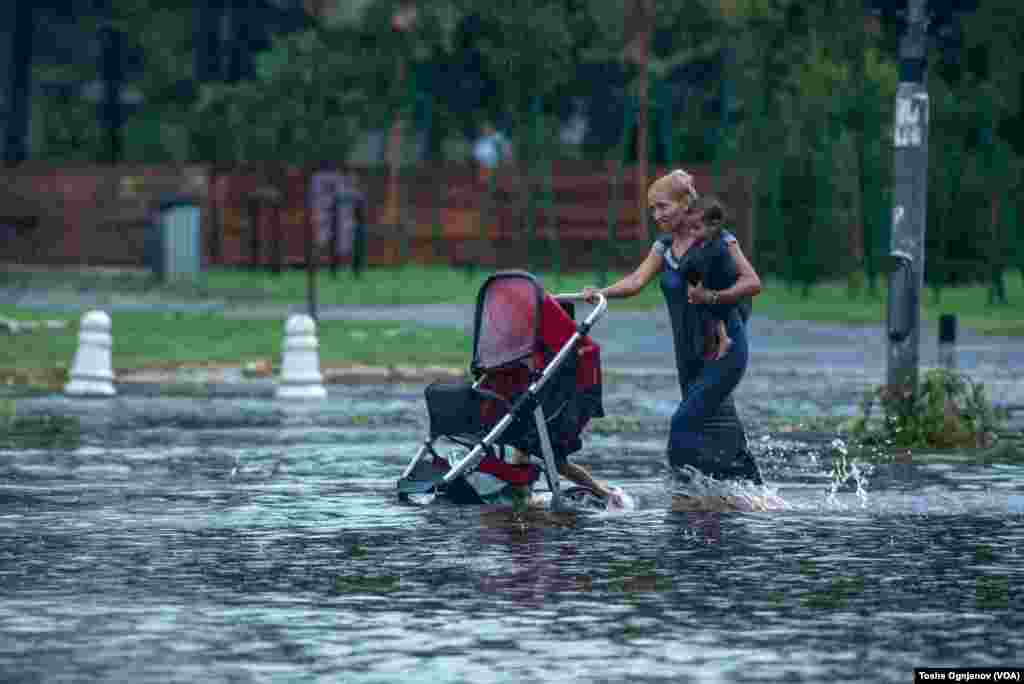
207,52
638,28
113,78
20,80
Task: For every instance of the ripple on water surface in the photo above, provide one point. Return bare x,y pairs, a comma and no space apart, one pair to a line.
256,544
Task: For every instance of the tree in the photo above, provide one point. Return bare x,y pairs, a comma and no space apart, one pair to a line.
309,101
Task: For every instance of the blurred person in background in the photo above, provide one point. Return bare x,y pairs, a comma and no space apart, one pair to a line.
490,149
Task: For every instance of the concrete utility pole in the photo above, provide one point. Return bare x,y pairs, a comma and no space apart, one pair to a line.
909,211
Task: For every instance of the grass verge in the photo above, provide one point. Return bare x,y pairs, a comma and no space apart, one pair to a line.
146,340
835,302
418,284
405,285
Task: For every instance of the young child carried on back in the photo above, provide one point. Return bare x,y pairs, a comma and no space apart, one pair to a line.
707,220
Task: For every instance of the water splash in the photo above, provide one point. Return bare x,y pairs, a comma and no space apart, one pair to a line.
847,472
692,490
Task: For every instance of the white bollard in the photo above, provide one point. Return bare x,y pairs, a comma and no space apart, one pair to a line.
92,374
300,365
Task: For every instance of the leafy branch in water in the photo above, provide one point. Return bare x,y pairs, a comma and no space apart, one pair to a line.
948,410
36,432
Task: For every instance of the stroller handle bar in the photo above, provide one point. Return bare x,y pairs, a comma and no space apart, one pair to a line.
599,309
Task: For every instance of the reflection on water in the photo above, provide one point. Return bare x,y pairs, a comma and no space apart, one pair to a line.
203,541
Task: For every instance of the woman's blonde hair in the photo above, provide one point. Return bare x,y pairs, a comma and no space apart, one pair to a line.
678,185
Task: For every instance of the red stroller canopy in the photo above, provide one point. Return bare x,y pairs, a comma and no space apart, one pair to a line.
514,319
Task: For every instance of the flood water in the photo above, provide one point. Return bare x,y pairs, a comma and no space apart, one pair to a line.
243,540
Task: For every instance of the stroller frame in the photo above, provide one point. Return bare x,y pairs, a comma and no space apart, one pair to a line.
526,403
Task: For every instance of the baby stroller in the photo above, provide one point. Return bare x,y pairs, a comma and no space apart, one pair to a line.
536,384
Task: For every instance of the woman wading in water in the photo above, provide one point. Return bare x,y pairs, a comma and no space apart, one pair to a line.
707,283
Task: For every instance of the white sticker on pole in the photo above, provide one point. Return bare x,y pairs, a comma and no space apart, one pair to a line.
898,212
910,116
